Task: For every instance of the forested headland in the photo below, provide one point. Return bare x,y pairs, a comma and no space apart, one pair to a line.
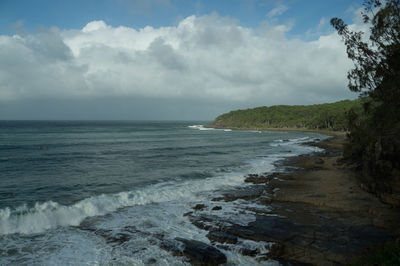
328,116
372,152
372,121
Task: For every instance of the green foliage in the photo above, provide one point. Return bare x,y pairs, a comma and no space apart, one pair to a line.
374,139
331,116
377,60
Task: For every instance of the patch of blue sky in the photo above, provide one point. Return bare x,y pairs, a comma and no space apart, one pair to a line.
305,19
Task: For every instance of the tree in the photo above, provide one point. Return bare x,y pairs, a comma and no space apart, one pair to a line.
375,61
374,143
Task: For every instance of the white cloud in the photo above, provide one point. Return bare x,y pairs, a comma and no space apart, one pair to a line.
94,26
277,11
322,23
202,58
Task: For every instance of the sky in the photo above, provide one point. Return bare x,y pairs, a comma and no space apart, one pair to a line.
168,59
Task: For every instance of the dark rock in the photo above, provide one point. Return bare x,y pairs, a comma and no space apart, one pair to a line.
87,226
246,193
199,207
319,161
248,252
220,246
275,175
187,213
200,222
286,263
197,252
151,261
276,250
216,208
264,178
112,237
257,180
333,241
265,199
221,237
268,228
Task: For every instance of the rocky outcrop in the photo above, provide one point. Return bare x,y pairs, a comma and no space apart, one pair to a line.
199,253
222,237
318,214
246,193
314,241
199,207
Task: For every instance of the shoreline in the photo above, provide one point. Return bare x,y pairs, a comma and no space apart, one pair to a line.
319,213
319,131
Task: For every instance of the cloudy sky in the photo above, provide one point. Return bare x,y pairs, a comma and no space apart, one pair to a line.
168,59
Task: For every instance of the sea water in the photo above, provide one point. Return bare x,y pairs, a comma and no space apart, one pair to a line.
63,182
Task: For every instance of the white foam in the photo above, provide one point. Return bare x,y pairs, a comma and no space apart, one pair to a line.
48,215
201,127
287,142
156,210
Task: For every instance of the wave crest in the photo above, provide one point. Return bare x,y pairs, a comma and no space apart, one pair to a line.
49,215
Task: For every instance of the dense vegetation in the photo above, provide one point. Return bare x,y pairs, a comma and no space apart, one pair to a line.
374,139
329,116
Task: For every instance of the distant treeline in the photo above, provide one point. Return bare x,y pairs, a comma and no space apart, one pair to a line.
329,116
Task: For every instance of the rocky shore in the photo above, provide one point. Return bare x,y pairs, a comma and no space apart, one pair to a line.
312,211
318,214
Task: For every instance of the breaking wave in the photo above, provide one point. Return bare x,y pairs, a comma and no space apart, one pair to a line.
201,127
49,215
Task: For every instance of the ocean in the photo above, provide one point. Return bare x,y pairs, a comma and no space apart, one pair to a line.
63,182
